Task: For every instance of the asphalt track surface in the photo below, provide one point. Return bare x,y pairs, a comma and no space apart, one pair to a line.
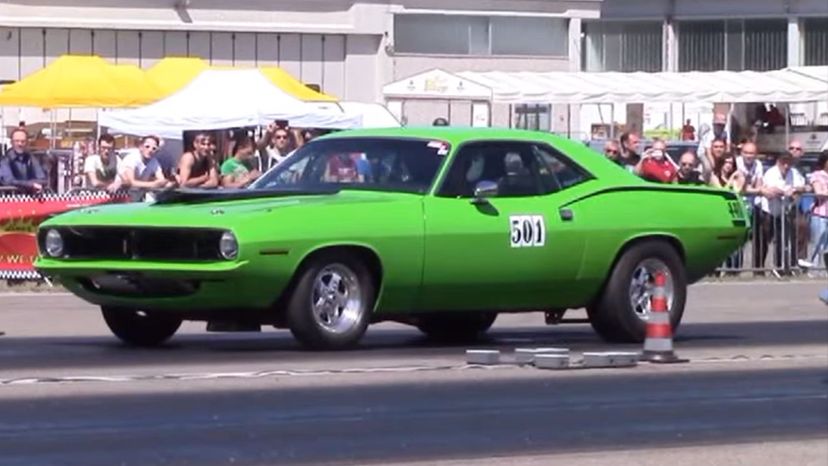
758,375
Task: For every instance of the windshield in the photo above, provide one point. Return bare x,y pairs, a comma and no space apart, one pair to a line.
381,164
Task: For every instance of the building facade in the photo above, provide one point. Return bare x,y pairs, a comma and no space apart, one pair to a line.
351,48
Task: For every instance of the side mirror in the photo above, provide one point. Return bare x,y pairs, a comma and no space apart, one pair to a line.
482,190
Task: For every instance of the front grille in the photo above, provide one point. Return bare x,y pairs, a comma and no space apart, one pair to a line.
131,285
123,243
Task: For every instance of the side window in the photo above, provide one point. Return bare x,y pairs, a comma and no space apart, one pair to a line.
556,171
511,165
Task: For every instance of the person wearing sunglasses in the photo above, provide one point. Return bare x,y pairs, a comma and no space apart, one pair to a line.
612,151
688,172
274,146
140,170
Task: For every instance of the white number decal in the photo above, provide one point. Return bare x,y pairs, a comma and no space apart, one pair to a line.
527,231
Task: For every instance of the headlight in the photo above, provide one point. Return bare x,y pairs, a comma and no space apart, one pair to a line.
54,243
228,246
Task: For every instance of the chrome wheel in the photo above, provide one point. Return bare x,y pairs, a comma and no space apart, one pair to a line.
336,298
643,282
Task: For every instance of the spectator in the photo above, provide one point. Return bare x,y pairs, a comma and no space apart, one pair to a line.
101,169
197,167
718,148
720,127
20,169
688,132
656,165
804,204
235,172
141,171
751,168
688,172
274,146
819,215
779,183
629,157
612,151
726,175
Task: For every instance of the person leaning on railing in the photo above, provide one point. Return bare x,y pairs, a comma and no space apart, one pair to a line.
20,169
726,175
237,172
780,184
140,171
101,169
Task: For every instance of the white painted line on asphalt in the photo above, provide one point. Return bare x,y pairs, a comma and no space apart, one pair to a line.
33,294
764,282
233,375
738,359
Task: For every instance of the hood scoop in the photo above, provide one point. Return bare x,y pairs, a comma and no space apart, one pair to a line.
200,196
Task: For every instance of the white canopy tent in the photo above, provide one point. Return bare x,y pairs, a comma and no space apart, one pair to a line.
787,85
373,115
224,98
790,85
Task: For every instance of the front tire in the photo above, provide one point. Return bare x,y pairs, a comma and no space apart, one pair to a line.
138,328
620,314
330,306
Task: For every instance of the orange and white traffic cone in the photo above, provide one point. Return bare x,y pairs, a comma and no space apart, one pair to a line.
658,346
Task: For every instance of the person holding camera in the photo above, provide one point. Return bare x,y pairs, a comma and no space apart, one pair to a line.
655,165
275,145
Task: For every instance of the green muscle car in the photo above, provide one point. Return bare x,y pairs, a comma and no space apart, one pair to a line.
439,228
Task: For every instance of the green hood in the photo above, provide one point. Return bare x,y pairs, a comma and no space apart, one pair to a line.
211,208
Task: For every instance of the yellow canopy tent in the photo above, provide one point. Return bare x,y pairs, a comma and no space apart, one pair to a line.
172,73
136,81
284,81
78,81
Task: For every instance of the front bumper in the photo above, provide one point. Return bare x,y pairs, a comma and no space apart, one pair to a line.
168,286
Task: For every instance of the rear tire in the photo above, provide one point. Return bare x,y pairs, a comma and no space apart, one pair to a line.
138,328
456,327
330,307
613,315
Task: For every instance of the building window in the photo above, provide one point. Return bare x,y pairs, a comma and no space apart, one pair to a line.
622,46
480,35
815,41
533,117
735,45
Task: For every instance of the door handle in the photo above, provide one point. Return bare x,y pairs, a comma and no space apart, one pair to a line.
566,215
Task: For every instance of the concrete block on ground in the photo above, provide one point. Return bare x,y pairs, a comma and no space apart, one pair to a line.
483,357
611,359
527,355
552,361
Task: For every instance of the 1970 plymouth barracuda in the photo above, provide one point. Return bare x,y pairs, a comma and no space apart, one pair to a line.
440,228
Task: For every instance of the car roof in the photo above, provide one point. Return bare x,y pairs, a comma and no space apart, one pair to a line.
588,158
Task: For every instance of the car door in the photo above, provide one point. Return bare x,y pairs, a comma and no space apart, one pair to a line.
513,249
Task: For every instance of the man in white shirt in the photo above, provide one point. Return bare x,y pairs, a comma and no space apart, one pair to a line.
753,172
101,169
140,171
779,186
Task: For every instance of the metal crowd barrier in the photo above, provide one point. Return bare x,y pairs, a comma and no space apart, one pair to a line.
788,241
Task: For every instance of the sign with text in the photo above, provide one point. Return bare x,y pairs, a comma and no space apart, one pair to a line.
20,216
